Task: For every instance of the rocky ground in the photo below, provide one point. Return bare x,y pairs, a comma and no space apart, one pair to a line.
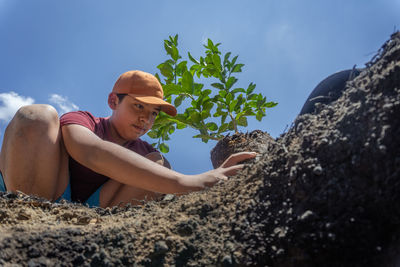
325,193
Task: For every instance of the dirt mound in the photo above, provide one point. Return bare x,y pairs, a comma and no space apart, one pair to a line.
325,193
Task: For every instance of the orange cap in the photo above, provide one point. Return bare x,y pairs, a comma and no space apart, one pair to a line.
144,87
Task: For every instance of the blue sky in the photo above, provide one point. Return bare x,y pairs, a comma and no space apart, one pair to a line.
69,53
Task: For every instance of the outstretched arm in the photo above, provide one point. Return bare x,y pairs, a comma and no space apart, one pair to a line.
130,168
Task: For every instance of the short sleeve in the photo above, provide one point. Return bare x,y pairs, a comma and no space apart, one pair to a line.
149,147
82,118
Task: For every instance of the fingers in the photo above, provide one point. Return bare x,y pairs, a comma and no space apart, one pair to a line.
230,166
233,169
238,157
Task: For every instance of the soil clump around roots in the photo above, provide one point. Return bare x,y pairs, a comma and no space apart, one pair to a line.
325,193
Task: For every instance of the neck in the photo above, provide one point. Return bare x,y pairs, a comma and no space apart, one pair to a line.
114,135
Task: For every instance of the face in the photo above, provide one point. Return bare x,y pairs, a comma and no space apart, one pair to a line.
131,118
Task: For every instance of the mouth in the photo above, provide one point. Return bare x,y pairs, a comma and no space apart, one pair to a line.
139,128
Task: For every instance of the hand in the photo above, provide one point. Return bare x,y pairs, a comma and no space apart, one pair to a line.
228,168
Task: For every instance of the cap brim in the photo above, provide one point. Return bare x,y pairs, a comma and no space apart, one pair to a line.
165,106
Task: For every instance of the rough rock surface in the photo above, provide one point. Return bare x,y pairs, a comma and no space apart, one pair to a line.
326,193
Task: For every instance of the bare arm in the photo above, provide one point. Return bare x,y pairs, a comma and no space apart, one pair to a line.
130,168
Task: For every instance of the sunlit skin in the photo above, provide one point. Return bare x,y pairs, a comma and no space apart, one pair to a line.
131,118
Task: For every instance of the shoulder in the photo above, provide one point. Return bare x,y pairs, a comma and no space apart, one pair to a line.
83,118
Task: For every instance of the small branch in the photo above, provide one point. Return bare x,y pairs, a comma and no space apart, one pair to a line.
234,122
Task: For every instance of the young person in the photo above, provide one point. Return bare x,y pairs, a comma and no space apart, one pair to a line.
98,161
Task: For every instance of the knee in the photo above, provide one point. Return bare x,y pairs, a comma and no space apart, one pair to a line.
37,113
37,116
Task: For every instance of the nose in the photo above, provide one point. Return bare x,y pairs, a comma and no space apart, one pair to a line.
145,117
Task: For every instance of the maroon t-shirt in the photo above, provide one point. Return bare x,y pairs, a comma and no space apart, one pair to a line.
84,181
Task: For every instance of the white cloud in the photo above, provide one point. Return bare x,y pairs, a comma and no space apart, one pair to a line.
64,105
9,104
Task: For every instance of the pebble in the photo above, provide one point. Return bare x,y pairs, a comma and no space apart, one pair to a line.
161,247
227,261
169,197
317,170
306,214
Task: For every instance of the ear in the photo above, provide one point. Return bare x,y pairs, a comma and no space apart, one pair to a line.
112,101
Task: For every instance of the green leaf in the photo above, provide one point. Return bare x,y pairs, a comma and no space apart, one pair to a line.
240,101
223,118
210,43
197,88
229,98
232,105
195,68
259,116
218,86
208,105
242,121
187,82
196,103
205,114
164,148
202,61
179,120
227,55
171,129
203,137
252,97
178,101
270,104
217,61
166,70
237,68
195,117
231,81
206,92
250,88
208,59
223,128
217,98
192,59
167,47
175,53
181,68
212,126
180,125
158,77
237,90
152,134
172,89
223,93
252,104
233,61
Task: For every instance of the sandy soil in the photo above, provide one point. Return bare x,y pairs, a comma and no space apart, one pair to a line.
325,193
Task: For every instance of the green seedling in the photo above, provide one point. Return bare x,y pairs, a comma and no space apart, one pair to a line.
213,111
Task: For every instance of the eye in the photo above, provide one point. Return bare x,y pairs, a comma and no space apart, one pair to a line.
139,106
155,113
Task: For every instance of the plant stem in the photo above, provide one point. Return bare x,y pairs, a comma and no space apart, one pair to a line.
188,95
175,71
234,122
